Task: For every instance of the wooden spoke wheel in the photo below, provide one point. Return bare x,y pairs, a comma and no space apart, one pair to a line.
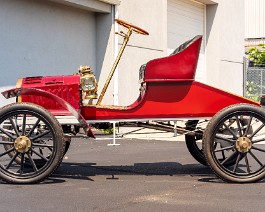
243,141
31,143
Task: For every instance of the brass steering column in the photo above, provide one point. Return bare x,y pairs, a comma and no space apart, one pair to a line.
125,41
131,28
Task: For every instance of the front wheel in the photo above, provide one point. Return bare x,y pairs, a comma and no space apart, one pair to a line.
243,140
29,134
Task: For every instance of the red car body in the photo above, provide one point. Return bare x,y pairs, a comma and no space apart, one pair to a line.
168,91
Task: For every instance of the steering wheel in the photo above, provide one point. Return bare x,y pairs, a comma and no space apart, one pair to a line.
133,27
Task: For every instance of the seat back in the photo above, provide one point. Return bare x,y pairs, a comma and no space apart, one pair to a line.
179,66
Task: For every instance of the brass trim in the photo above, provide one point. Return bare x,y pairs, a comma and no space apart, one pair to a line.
19,83
19,99
125,41
22,144
243,144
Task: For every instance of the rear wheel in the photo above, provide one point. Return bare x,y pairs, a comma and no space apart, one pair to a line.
194,141
243,142
31,143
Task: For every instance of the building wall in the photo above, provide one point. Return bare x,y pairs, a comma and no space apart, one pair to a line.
44,38
152,17
225,45
53,38
224,48
61,50
255,18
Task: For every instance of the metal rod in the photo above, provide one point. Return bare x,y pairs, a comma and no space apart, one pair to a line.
125,41
114,136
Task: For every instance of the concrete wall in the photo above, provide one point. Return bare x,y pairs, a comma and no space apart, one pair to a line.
153,18
43,38
225,45
58,30
53,38
105,52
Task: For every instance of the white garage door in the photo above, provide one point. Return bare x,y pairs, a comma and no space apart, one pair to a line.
44,38
185,20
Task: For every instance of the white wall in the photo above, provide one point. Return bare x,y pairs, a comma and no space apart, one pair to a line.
255,18
225,45
105,53
141,49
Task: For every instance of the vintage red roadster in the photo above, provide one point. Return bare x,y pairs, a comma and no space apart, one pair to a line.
33,141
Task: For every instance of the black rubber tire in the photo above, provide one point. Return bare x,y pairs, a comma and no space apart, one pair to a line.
241,171
191,142
53,129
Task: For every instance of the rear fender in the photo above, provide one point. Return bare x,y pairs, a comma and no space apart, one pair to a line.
65,105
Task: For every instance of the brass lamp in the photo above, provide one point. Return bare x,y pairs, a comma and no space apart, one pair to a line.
88,82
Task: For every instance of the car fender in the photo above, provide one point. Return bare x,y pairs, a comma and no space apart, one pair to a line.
15,92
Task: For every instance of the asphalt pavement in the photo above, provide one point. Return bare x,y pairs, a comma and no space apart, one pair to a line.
138,175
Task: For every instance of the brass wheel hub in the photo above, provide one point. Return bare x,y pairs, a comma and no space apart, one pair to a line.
243,144
22,144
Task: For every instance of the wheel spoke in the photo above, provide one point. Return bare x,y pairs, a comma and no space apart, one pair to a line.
40,135
33,128
225,148
257,130
41,156
247,163
255,158
225,139
8,151
32,162
223,155
239,127
7,142
14,126
22,163
42,145
7,133
23,124
259,149
248,126
237,162
232,133
229,158
12,160
258,140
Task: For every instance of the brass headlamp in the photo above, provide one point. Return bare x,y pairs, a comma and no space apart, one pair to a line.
88,82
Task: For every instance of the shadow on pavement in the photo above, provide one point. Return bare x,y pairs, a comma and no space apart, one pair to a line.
86,170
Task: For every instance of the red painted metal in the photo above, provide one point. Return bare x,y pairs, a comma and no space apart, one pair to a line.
169,100
177,67
44,94
168,91
66,87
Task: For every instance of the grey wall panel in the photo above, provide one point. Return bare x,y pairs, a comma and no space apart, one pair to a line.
44,38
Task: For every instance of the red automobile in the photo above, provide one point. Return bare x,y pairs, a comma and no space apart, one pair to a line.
34,139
